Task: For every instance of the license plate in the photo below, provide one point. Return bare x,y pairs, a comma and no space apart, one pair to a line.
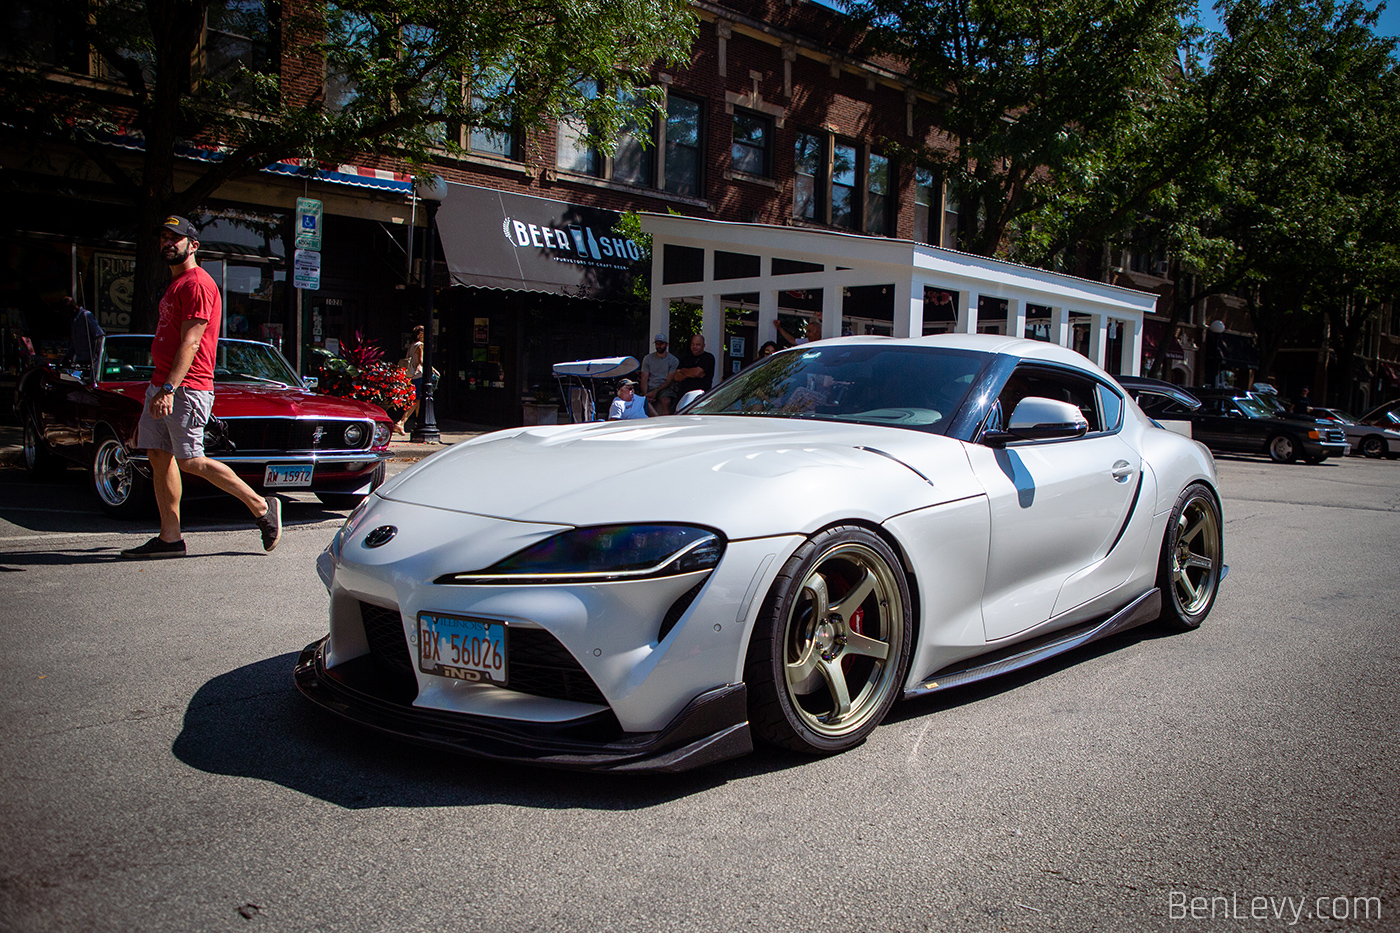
285,475
461,648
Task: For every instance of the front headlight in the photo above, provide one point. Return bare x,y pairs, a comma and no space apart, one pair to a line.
381,434
603,553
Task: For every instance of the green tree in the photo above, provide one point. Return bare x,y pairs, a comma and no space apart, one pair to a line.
1027,91
401,77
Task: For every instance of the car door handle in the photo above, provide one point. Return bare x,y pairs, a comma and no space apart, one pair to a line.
1122,470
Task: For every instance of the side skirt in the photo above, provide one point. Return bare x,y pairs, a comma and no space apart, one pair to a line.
1145,608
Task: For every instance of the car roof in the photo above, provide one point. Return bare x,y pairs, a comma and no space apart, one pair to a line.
1037,350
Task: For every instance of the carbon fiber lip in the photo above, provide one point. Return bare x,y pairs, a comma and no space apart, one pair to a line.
713,726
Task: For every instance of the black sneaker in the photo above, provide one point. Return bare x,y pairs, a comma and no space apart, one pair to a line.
271,524
156,548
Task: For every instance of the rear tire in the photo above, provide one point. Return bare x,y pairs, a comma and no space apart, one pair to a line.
828,655
121,490
1375,447
1193,550
1283,448
39,460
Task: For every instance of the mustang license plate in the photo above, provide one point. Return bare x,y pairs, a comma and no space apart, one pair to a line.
285,475
461,648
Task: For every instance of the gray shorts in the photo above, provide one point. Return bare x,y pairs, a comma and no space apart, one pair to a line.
180,433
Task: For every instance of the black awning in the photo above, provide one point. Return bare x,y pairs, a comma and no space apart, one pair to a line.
496,239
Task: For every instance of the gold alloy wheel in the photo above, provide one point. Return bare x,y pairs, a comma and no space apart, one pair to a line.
1195,555
843,640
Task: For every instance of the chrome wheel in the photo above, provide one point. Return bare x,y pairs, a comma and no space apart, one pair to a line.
1282,449
1373,446
121,491
837,638
1192,559
39,460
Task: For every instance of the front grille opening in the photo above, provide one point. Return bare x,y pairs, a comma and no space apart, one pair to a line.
537,663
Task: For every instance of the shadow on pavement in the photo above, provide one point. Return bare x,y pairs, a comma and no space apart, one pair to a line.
251,722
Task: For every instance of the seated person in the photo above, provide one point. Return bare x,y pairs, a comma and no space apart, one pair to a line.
628,405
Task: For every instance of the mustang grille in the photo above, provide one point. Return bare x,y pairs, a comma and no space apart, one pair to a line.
254,434
536,662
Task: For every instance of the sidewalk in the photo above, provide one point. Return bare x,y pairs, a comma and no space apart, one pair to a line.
400,447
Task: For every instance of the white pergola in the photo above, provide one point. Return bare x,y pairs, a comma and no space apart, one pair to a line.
849,261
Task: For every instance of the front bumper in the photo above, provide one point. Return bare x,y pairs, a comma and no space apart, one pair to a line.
712,727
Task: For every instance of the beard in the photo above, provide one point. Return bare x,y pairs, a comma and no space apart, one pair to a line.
175,256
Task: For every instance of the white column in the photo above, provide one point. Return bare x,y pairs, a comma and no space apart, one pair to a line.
1016,317
660,307
831,311
909,308
1060,332
767,316
967,313
1098,337
712,327
1131,364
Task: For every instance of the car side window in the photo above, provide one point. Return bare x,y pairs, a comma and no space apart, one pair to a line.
1111,405
1057,385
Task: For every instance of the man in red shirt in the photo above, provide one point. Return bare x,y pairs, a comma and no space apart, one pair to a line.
181,396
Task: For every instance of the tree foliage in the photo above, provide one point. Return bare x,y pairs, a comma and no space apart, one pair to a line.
401,77
1027,92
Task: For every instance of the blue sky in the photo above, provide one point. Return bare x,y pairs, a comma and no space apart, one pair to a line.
1389,24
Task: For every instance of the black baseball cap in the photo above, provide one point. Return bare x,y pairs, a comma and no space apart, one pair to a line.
179,225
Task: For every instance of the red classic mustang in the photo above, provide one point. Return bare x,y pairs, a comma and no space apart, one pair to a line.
267,425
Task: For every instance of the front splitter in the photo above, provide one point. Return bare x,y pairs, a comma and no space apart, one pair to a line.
713,727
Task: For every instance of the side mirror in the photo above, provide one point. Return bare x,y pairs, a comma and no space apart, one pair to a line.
688,398
1040,419
310,383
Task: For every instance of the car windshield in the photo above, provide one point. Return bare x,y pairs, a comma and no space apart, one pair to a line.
910,387
1252,408
127,358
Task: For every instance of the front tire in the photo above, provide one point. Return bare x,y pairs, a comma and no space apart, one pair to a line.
1193,549
121,490
1283,448
828,655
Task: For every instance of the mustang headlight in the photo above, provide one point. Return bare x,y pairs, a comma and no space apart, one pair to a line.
381,434
604,553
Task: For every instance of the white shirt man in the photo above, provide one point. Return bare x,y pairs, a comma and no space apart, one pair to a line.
628,404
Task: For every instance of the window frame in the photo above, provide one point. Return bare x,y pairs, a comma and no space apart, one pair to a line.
765,151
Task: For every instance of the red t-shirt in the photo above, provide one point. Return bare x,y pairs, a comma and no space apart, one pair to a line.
191,296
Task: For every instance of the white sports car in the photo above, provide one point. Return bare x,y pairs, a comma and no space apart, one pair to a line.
841,525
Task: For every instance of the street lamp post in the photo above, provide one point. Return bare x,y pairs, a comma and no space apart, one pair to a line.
432,190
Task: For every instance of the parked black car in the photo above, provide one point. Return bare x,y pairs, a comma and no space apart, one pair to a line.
1235,421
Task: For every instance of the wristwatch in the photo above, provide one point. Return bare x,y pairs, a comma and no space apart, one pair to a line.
168,389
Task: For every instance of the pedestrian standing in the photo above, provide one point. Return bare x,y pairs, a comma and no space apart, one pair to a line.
181,397
84,333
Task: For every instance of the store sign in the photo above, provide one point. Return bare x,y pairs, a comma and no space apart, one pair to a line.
308,223
306,269
501,240
115,276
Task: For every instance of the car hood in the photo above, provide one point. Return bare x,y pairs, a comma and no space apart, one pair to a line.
255,401
745,476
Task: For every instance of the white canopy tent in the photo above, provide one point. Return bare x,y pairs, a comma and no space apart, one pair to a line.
832,262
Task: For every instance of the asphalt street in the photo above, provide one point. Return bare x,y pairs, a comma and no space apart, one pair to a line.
158,771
